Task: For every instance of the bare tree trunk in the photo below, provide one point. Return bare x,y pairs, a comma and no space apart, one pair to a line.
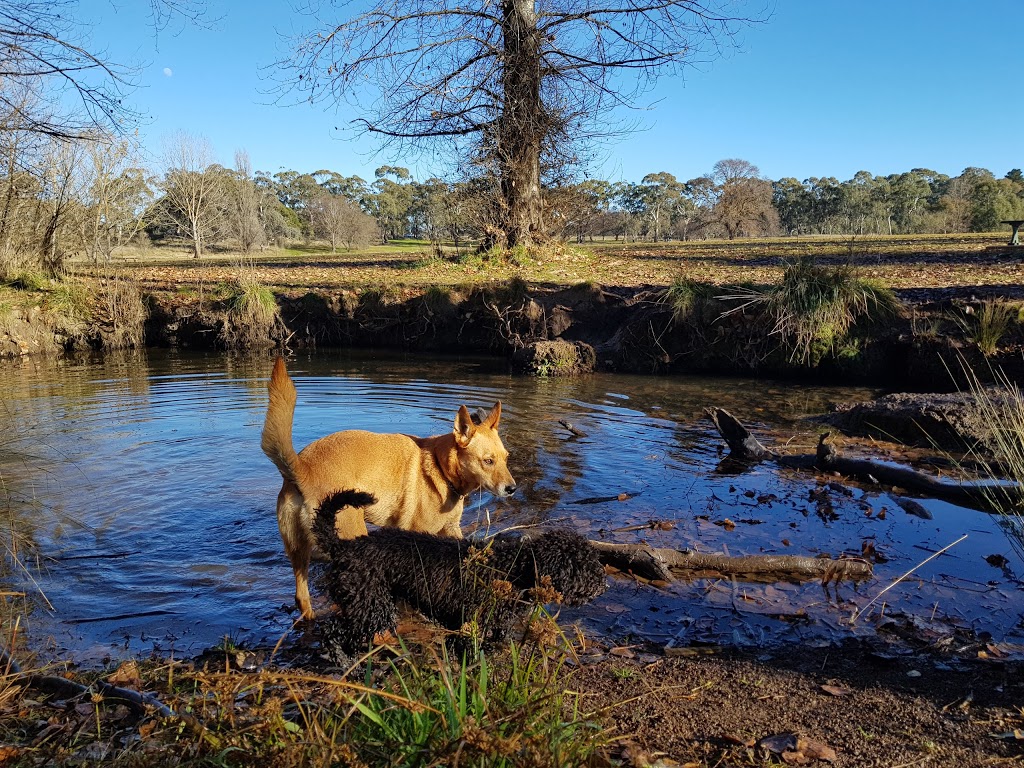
520,129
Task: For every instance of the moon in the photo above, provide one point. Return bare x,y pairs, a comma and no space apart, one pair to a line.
168,72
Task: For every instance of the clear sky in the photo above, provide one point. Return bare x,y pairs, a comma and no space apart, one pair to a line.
821,88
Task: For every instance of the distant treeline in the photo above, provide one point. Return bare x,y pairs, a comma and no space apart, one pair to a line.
61,198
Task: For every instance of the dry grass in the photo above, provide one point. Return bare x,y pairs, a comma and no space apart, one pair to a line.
898,262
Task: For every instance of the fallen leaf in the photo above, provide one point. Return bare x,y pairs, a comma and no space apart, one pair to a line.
835,690
779,743
816,750
126,674
624,651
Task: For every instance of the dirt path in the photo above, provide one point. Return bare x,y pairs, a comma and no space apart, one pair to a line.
869,707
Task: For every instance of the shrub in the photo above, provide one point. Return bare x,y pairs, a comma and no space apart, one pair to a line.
121,314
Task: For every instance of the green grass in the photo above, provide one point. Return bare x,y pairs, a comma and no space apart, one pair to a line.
989,324
475,714
252,313
27,280
685,297
815,306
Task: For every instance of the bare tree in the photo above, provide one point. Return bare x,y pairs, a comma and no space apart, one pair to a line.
61,174
245,202
744,204
519,78
340,220
193,188
74,91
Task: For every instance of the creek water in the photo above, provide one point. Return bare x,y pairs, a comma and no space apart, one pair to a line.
140,510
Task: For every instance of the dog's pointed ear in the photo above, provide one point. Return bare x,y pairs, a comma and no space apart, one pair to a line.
494,417
464,427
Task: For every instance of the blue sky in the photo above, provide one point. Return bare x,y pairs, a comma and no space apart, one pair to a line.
822,88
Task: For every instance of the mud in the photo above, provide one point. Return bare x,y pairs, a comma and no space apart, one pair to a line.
950,421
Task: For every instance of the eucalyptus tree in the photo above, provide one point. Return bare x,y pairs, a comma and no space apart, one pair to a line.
115,196
392,200
519,80
661,195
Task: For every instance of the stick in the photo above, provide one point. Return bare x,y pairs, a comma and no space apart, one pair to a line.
859,611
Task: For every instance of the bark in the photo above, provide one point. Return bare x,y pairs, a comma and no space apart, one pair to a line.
662,564
520,128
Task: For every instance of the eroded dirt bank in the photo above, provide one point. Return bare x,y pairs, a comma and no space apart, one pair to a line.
630,330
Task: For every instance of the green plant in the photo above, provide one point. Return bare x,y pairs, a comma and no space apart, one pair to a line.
474,713
816,305
70,300
685,296
27,280
252,314
989,324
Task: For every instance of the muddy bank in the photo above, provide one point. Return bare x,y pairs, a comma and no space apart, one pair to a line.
628,330
608,329
950,421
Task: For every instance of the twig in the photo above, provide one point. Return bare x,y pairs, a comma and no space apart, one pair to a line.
859,611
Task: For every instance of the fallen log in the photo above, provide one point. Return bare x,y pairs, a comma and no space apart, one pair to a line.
986,495
62,688
660,564
742,444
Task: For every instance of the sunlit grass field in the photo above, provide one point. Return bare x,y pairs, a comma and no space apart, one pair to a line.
899,262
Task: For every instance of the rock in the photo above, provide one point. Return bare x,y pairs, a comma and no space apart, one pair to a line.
555,358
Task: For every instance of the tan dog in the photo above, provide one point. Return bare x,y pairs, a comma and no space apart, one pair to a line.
420,483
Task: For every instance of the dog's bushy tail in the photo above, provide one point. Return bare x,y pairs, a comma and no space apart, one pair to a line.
276,441
323,523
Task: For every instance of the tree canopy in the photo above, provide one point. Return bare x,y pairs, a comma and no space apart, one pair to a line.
521,80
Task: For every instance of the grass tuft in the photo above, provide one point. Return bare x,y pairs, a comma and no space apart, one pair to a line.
252,315
815,306
685,297
989,324
1001,407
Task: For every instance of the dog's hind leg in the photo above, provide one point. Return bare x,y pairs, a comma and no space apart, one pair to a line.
298,543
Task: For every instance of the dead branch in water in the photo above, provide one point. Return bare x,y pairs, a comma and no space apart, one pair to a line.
978,494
